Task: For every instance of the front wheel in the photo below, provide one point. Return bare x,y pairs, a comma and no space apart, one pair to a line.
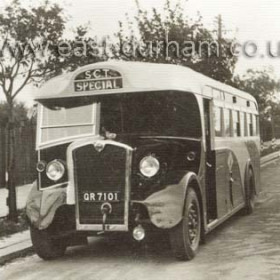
46,246
185,237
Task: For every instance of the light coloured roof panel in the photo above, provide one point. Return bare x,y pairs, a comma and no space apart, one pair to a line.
138,76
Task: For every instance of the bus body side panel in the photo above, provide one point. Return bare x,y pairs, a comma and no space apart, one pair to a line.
237,193
230,192
253,147
232,155
230,173
222,191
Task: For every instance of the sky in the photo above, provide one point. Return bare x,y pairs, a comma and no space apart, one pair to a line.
250,20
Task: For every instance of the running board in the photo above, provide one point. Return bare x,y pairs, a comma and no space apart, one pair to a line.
215,223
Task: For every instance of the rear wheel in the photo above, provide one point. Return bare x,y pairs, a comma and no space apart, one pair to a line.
185,237
46,246
250,193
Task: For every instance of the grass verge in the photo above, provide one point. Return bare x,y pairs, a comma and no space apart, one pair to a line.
8,227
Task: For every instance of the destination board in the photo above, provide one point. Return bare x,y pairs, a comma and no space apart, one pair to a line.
98,79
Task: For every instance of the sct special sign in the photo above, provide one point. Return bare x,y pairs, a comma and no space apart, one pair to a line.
98,79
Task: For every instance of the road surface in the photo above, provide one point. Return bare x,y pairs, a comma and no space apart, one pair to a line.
245,247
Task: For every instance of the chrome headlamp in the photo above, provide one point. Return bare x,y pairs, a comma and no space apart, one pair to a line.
149,166
55,170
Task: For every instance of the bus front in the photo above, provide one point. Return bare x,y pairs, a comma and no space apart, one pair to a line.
113,161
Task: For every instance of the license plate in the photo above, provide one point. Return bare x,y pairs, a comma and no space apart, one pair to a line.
100,196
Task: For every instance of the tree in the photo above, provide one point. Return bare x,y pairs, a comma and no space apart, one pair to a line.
25,57
262,85
32,52
171,37
23,121
81,50
20,114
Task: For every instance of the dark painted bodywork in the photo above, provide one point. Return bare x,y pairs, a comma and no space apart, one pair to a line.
160,199
162,195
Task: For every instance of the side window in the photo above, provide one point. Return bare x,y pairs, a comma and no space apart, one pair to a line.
257,125
254,125
236,123
227,122
250,124
242,124
218,121
245,125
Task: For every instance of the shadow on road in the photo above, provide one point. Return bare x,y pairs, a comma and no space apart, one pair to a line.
123,249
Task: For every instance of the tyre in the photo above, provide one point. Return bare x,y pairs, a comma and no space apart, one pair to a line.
45,245
185,237
250,193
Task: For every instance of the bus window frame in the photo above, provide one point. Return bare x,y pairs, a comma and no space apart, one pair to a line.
242,123
40,127
258,125
236,130
250,124
254,124
229,133
246,132
221,132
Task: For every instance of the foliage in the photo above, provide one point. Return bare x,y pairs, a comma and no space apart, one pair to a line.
270,149
25,52
262,85
7,227
20,113
157,31
30,51
25,57
84,50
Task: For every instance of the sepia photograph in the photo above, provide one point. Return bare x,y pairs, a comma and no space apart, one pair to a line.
139,139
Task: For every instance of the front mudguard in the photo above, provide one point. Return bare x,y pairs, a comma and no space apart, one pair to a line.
41,206
166,207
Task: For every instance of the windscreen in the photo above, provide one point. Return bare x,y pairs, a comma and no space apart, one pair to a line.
67,120
146,113
151,113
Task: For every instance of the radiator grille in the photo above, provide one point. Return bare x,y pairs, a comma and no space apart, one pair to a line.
102,172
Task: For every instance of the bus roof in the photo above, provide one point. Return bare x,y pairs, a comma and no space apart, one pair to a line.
136,77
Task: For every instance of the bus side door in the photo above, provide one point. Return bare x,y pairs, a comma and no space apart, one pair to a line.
210,163
217,177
